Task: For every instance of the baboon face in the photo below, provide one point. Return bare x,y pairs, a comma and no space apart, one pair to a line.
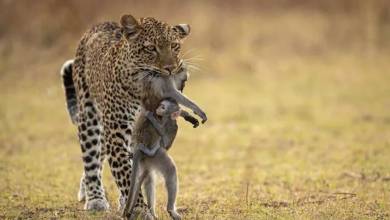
168,109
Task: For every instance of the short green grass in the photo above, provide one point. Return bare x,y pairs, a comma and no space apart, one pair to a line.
307,138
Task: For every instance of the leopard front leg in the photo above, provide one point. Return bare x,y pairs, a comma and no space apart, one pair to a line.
117,137
91,187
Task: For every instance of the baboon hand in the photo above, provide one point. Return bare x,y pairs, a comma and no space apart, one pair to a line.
196,124
201,114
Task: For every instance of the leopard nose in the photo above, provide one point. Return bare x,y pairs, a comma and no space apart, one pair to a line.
169,68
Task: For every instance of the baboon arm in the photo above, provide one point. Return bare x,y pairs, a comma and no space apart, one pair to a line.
150,151
155,123
160,130
172,92
188,117
184,113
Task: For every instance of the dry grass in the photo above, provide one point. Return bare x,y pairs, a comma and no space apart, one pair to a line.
297,99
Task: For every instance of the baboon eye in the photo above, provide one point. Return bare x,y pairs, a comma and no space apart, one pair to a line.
175,46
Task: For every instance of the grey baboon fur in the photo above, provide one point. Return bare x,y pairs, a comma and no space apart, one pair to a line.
154,135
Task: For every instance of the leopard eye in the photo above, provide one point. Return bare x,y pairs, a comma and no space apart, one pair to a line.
175,46
150,48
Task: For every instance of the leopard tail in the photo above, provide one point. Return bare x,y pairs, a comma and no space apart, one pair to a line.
70,91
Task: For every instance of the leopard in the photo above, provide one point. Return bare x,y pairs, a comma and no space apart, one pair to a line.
118,70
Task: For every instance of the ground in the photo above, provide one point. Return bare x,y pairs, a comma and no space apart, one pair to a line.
306,138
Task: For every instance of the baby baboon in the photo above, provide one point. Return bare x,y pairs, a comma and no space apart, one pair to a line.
154,135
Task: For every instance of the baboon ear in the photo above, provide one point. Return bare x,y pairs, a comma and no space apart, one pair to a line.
182,29
130,26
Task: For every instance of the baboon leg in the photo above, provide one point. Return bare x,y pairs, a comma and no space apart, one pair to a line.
165,164
137,177
150,191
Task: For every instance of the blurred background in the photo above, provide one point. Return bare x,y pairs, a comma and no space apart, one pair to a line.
230,36
297,95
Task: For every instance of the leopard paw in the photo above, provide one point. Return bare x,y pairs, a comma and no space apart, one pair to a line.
97,205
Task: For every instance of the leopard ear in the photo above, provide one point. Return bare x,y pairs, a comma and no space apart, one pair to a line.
182,29
130,26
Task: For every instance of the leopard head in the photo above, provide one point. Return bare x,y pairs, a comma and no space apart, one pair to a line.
154,44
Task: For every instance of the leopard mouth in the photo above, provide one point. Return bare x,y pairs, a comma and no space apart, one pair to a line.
180,68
